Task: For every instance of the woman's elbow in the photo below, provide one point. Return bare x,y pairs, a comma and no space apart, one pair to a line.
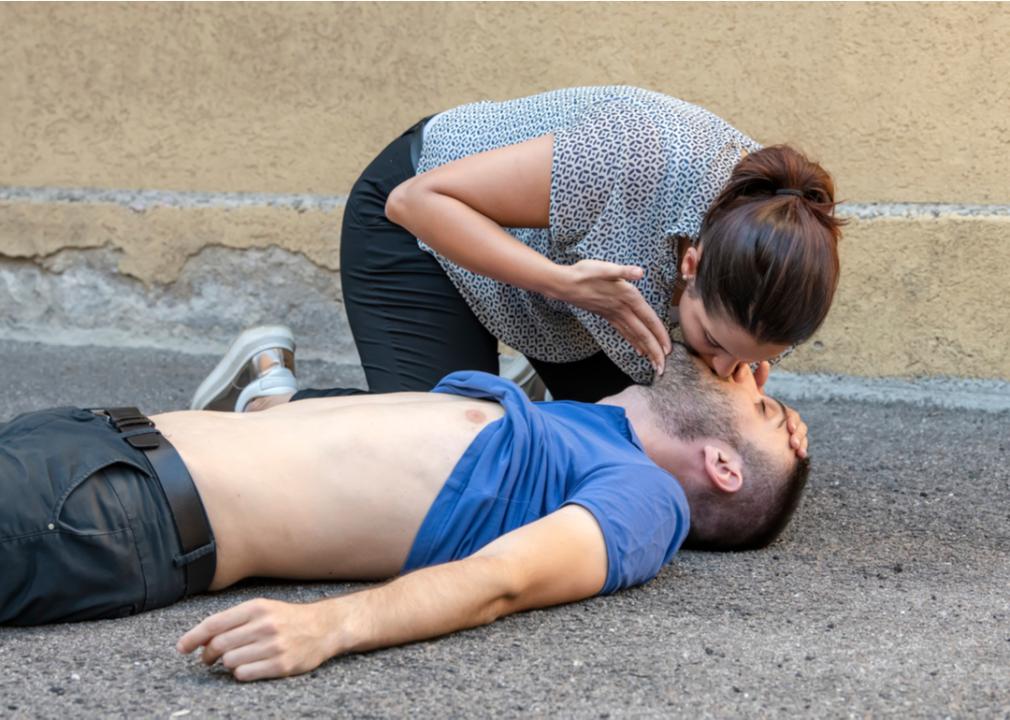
399,201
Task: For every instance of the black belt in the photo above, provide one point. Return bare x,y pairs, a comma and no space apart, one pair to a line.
199,552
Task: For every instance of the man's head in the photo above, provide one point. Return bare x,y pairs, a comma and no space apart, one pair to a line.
730,450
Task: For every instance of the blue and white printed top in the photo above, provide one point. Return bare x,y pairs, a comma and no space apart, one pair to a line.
633,170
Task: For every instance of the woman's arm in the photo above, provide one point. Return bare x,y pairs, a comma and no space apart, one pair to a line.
460,209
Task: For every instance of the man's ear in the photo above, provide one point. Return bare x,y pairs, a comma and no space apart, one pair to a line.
724,470
689,263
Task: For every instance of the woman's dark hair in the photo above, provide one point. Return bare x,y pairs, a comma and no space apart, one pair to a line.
770,247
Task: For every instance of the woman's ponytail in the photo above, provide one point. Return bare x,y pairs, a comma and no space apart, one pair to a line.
770,246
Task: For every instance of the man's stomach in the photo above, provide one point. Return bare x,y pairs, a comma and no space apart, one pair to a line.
330,488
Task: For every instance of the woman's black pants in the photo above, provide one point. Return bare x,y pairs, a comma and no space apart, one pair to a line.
410,324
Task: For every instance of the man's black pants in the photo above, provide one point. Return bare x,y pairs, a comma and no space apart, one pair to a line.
85,528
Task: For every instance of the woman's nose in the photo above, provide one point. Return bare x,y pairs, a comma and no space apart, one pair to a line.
742,373
725,366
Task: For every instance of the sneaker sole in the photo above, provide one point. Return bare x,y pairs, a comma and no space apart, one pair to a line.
221,381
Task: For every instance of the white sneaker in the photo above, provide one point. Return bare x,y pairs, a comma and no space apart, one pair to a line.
519,370
259,363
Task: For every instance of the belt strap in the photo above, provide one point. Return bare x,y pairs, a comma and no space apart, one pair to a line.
198,556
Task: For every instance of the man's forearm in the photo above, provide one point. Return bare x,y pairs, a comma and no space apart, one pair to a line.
424,604
557,559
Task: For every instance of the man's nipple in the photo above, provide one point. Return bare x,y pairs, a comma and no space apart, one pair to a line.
475,416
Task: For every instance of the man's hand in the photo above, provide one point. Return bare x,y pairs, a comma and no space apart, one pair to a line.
556,559
797,428
263,639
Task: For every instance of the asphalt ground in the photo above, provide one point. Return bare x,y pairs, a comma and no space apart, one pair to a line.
887,597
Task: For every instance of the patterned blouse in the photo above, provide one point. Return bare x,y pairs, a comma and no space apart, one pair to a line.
633,170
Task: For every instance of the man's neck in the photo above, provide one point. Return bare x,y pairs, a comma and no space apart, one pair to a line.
660,446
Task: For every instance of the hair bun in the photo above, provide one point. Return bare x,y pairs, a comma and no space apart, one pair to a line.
780,170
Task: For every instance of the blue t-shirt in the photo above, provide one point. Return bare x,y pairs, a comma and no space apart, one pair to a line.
541,456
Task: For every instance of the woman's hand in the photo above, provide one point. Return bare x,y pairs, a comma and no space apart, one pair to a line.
797,428
605,288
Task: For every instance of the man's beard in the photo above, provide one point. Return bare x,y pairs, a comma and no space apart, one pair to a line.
690,402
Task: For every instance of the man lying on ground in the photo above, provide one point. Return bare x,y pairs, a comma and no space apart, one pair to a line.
480,502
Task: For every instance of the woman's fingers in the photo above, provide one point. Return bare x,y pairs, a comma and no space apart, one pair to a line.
798,440
590,270
636,332
631,273
656,336
653,325
606,289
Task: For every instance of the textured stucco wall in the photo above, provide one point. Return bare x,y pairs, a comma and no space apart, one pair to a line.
903,102
919,296
246,124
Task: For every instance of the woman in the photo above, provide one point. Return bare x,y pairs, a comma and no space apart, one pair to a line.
580,227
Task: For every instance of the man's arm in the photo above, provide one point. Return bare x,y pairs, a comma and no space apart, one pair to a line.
557,559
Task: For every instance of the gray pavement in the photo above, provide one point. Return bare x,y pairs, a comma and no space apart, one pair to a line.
888,596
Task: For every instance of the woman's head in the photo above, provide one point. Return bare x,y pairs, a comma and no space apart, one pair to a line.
765,268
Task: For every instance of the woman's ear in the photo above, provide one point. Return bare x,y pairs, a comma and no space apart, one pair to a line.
723,469
689,263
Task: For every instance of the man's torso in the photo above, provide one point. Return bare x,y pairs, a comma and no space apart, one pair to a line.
367,486
334,487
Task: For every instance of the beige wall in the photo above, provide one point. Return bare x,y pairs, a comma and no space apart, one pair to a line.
903,102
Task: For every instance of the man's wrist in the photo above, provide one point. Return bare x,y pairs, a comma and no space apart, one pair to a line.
342,619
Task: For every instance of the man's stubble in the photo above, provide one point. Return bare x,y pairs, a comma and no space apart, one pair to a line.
690,402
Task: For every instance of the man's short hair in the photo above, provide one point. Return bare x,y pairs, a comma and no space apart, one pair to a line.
755,515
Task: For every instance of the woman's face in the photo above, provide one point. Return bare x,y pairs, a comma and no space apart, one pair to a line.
722,344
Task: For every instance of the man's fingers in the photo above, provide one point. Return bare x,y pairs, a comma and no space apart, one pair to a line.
260,670
253,652
225,642
211,627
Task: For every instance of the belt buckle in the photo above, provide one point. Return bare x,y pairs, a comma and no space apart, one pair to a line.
138,428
